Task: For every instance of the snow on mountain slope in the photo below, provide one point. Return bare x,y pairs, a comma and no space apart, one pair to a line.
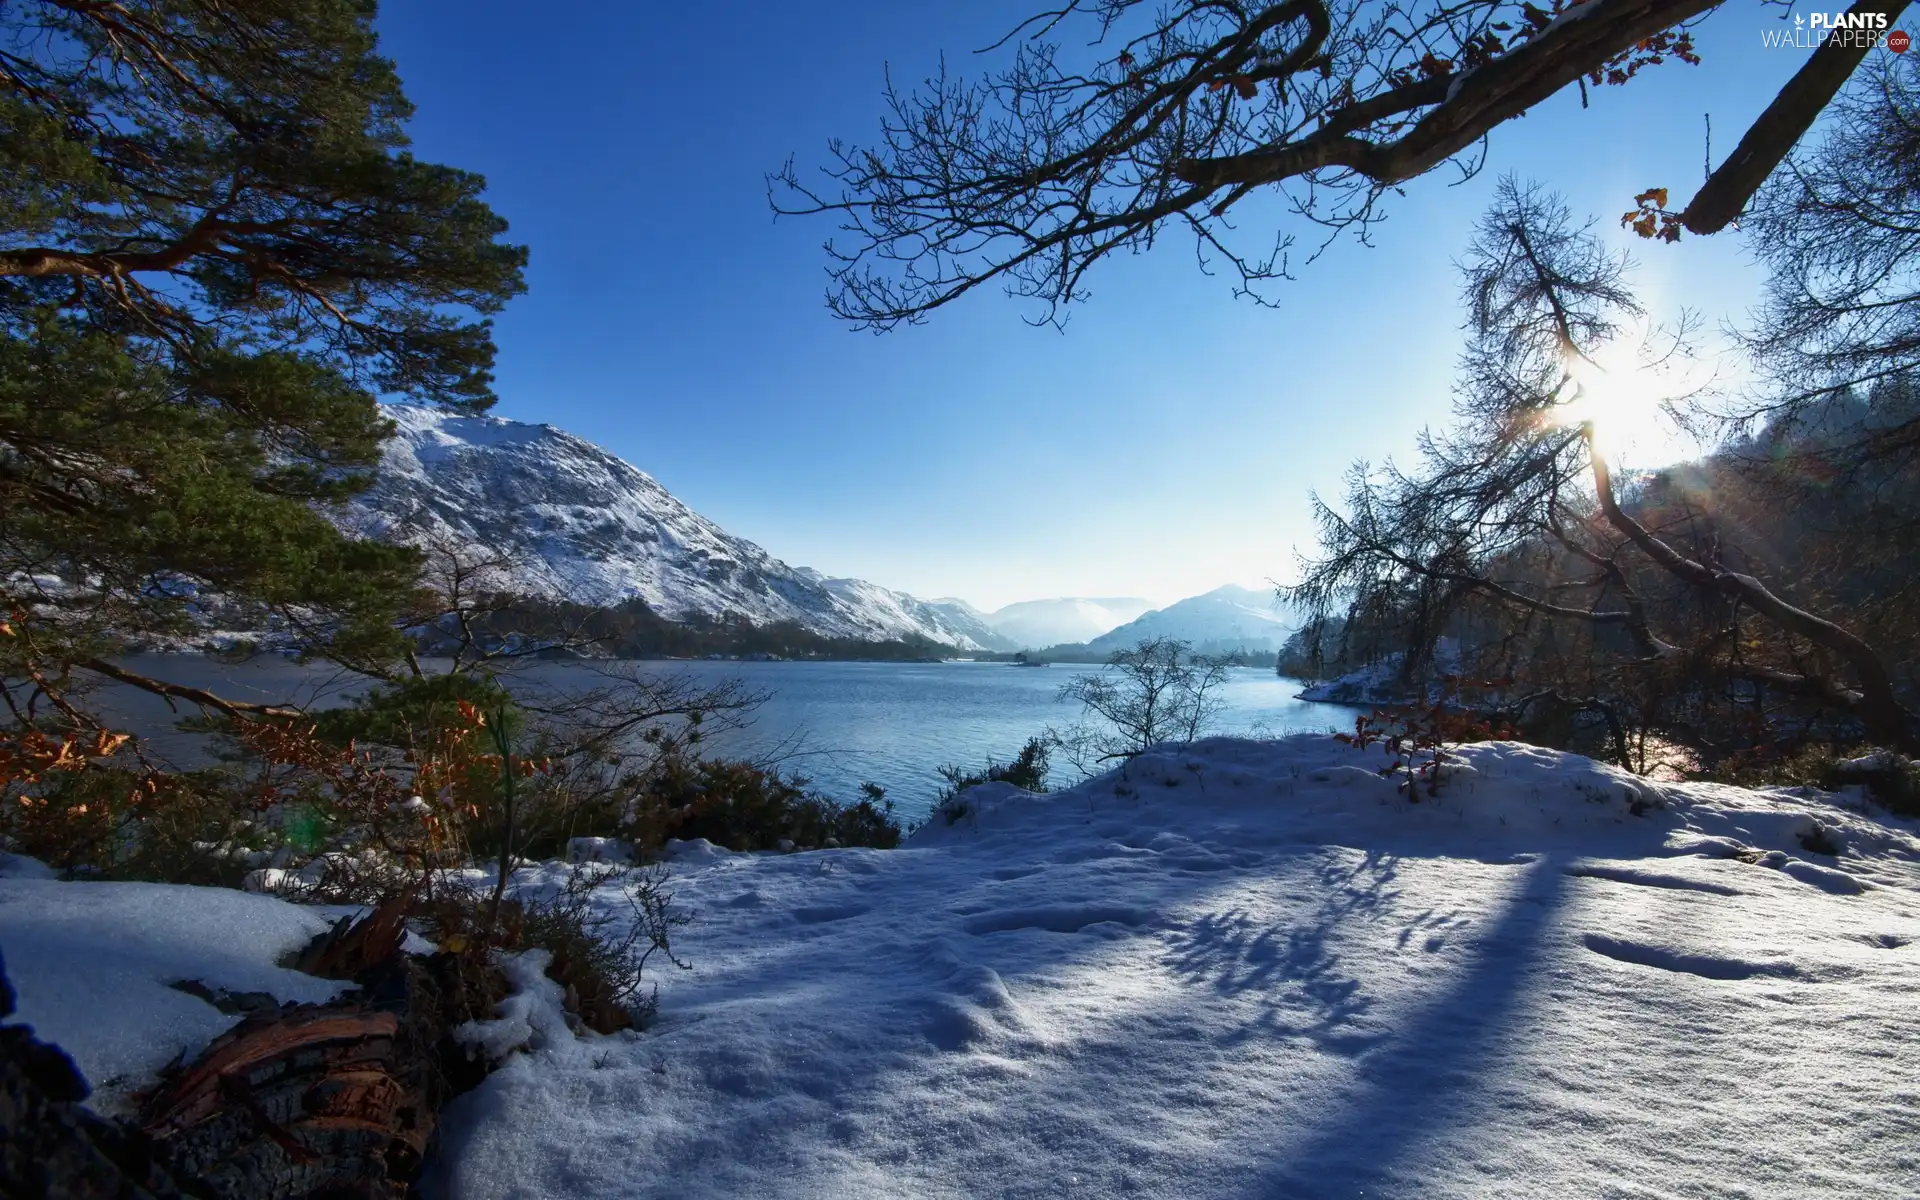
1037,624
579,524
1230,616
948,620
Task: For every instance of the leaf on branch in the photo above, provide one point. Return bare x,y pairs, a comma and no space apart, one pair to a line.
1650,217
1647,52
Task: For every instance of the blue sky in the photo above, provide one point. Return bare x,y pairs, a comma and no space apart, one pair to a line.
1164,444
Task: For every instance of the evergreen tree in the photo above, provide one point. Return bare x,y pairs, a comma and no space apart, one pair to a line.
215,251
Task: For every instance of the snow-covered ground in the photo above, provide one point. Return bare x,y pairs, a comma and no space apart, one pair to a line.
93,964
1251,969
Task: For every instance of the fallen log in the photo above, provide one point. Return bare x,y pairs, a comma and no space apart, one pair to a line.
336,1100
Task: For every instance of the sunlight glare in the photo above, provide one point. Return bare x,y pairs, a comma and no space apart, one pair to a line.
1627,403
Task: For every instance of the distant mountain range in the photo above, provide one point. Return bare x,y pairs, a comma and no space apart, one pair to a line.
1037,624
571,521
1226,618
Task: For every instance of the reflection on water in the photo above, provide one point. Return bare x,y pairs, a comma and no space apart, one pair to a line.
892,723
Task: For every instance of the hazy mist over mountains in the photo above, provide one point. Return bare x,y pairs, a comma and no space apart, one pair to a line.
1038,623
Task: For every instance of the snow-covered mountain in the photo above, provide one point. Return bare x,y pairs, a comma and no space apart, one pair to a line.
574,522
1037,624
1227,617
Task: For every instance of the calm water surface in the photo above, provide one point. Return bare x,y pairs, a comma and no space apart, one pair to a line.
841,723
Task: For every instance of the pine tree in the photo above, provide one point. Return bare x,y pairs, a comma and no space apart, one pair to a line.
215,252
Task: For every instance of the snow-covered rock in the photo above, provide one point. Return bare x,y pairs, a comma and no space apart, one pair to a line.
1379,682
598,850
1375,683
272,880
93,964
693,852
577,523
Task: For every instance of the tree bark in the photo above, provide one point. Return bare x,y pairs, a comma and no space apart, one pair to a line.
335,1100
1878,706
1768,141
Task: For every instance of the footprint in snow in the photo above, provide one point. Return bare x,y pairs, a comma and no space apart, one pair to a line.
976,1008
1666,958
1063,918
829,912
1827,879
1644,878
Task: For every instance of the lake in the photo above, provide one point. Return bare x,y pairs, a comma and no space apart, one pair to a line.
842,722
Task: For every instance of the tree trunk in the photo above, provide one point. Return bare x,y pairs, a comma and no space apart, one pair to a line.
336,1100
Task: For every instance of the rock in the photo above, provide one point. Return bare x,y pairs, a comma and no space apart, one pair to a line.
53,1146
693,851
270,880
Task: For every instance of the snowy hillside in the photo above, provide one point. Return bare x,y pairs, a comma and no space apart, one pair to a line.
1243,618
1235,969
582,525
1037,624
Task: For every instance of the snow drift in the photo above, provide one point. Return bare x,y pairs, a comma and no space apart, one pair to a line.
1240,969
1254,969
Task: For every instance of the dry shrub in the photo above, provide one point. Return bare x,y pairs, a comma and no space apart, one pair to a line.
745,806
1416,739
602,924
114,817
1891,779
393,827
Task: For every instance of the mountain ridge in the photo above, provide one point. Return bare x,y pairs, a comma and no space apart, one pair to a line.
1229,617
562,518
569,520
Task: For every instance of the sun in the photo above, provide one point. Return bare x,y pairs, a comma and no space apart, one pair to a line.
1628,405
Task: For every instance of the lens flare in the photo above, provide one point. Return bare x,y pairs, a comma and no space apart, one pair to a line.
1627,405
